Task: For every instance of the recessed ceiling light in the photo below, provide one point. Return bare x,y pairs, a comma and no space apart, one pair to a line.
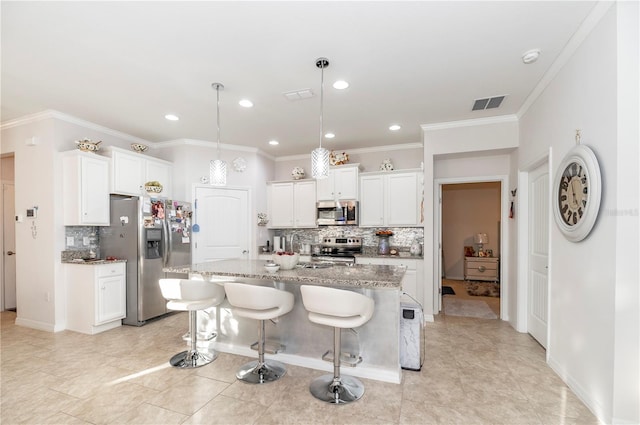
394,127
329,136
530,56
274,142
171,117
340,85
246,103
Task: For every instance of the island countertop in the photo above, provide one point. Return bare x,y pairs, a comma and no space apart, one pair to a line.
359,275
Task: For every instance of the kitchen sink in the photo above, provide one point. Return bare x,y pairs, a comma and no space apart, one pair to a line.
316,265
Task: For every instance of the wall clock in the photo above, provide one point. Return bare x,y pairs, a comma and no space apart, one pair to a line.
578,189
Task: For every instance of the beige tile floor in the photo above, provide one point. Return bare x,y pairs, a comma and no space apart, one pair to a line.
476,372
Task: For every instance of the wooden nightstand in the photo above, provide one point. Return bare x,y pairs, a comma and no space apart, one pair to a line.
482,268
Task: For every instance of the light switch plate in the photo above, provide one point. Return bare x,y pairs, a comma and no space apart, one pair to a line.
70,241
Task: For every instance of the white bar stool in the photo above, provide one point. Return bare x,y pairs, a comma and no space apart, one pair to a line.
191,296
259,303
340,309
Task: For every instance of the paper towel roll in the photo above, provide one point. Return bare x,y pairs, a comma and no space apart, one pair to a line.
276,243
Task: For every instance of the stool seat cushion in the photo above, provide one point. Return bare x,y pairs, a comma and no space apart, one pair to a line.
336,307
187,295
258,302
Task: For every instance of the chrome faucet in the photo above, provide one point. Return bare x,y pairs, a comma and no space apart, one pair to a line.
291,238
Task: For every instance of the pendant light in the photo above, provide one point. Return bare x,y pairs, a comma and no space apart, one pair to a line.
218,167
320,156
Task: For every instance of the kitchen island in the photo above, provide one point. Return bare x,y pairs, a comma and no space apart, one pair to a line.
304,343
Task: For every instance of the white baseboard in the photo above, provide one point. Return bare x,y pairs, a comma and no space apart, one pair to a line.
41,326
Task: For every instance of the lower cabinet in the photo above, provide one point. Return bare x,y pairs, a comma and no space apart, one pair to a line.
96,296
412,277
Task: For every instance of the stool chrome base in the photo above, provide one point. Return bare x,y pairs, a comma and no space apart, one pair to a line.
342,390
256,372
192,359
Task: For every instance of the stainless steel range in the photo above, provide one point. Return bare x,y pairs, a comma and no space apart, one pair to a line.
339,249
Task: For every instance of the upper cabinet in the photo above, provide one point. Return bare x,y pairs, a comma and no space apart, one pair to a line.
131,170
342,183
85,188
392,198
292,204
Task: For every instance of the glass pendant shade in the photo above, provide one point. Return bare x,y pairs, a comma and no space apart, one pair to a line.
217,173
320,163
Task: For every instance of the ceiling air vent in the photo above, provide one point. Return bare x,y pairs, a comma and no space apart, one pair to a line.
298,94
487,103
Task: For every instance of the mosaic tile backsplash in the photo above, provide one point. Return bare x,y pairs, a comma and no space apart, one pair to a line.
85,238
402,237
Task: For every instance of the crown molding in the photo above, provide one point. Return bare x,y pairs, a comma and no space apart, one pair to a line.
53,114
386,148
210,145
502,119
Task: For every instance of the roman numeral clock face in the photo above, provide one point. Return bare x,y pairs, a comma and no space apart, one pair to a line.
573,194
578,186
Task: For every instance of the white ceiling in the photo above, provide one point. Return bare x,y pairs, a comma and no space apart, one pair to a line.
124,65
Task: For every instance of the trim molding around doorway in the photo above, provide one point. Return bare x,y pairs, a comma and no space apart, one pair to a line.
504,236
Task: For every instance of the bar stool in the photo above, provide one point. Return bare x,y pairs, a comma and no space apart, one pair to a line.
191,296
260,303
340,309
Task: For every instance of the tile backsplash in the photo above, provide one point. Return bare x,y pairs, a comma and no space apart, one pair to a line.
402,236
84,238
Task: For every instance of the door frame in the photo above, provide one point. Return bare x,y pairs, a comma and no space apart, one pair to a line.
504,236
522,212
3,267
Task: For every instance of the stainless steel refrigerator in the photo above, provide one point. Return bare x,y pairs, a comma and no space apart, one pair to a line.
150,233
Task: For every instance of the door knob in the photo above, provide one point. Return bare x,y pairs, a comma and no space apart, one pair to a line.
244,251
11,253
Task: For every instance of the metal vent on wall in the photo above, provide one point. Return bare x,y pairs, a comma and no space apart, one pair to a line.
487,103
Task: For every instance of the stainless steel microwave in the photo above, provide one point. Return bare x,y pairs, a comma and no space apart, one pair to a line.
337,213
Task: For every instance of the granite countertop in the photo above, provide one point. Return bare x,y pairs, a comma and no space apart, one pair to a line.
95,262
365,276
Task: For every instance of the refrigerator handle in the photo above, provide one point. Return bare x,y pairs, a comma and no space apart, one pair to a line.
168,242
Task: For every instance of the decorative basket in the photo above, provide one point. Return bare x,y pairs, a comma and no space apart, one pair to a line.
139,147
86,145
153,189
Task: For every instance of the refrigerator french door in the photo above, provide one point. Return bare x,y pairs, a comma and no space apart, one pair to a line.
150,233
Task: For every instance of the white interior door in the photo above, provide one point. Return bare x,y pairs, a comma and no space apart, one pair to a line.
538,273
223,217
9,244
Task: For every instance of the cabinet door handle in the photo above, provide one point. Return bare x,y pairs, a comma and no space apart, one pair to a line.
482,268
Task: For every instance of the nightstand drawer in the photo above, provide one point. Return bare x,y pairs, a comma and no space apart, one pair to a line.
481,268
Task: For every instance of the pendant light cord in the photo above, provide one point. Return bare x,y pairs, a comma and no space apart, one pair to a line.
321,98
218,118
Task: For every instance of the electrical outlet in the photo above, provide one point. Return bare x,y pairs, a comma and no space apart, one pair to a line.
47,296
85,240
70,241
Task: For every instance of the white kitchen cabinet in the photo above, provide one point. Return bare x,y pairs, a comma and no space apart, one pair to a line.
131,170
96,296
292,204
342,183
390,199
413,277
85,189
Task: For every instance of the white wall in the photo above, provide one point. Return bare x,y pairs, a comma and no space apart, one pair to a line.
586,277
